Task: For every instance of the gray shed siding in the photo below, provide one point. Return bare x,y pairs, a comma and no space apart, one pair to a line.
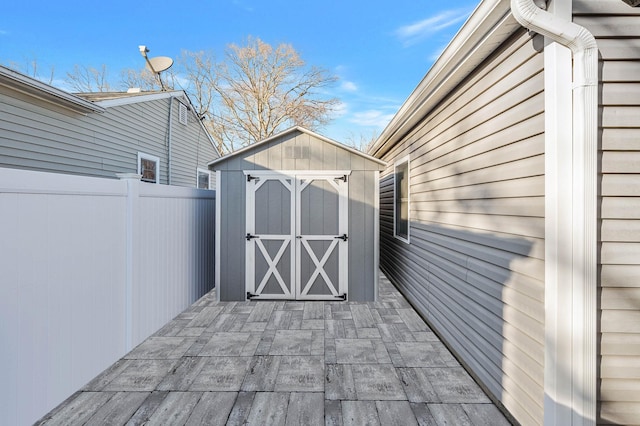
474,267
43,137
322,156
616,27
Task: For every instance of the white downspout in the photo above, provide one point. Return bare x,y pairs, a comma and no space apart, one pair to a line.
571,396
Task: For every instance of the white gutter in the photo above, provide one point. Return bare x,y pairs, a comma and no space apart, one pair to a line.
486,29
570,381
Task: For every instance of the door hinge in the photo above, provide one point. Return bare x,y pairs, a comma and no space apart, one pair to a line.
342,296
250,178
342,237
249,237
343,177
251,295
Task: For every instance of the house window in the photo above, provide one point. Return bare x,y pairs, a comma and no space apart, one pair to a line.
204,179
182,116
149,168
401,200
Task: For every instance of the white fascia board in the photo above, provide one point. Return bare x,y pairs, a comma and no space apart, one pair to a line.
489,25
46,92
127,100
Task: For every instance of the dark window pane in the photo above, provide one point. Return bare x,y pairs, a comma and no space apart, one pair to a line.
203,180
148,170
402,200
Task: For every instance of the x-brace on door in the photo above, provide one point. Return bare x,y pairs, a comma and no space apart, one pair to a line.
297,235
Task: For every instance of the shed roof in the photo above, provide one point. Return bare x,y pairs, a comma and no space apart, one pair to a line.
292,130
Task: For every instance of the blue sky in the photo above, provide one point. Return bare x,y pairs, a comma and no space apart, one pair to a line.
380,50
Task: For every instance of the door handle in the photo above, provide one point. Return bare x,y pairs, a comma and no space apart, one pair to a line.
342,237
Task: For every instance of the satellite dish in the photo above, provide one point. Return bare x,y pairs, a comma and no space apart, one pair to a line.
159,64
156,65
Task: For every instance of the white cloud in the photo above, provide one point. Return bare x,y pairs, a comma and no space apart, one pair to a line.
243,6
371,118
349,86
340,110
183,81
436,53
417,31
342,68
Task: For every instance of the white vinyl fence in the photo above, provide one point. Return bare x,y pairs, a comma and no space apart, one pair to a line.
88,269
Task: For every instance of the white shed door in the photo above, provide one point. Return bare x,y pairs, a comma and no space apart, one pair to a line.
297,236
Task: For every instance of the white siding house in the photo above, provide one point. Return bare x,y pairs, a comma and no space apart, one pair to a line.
156,134
517,234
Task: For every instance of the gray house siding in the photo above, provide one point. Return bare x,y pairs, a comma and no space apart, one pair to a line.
475,263
191,148
616,27
44,137
321,156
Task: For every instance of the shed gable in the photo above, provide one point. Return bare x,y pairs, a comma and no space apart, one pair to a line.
297,149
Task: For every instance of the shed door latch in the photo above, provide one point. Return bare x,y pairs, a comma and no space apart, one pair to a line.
249,237
342,237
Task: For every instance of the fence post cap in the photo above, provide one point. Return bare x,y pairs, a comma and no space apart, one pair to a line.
125,176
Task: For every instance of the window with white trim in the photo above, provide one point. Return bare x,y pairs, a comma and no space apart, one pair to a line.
401,199
149,168
204,179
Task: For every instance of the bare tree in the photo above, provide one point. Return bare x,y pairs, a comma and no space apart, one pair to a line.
143,79
362,142
89,79
31,67
257,91
146,80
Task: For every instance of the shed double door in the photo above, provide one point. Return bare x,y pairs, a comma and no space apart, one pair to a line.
297,236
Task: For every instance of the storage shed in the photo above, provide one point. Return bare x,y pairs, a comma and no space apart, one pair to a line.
297,219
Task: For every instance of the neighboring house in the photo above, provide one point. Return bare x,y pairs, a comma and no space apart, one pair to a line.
297,218
510,209
155,134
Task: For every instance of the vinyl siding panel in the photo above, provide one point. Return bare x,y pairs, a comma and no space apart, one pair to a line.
474,267
40,136
191,148
617,32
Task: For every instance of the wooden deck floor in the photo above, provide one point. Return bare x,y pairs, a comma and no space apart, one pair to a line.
286,363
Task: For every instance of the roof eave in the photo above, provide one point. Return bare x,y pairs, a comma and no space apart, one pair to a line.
490,24
37,89
127,100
